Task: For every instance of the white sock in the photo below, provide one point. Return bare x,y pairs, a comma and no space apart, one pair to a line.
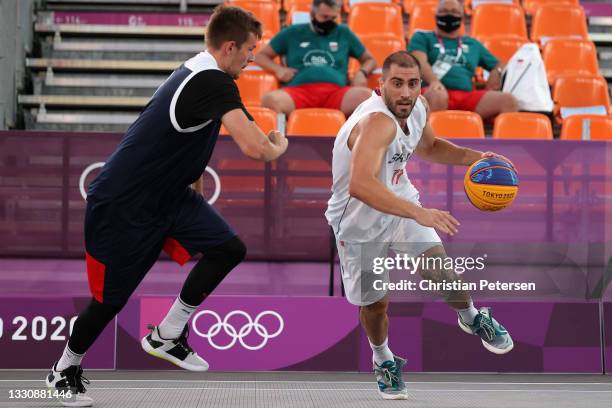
468,315
382,352
173,324
69,358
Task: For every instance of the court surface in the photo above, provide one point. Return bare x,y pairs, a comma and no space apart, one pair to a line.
131,389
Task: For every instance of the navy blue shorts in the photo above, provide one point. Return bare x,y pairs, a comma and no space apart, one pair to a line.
123,244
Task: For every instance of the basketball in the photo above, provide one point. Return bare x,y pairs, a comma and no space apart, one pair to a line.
491,184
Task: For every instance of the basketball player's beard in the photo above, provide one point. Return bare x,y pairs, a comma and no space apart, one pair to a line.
400,114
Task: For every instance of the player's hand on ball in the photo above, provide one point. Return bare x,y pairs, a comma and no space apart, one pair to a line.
486,155
443,221
278,139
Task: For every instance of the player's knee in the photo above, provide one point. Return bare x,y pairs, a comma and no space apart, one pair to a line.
233,250
376,309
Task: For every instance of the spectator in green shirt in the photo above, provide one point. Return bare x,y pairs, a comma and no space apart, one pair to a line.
317,56
449,60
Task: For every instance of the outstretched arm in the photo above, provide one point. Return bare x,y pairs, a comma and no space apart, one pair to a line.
437,150
373,135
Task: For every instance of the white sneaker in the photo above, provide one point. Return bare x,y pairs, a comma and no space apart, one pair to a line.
69,383
176,351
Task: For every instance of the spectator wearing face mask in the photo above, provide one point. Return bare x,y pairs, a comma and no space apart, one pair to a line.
448,63
317,56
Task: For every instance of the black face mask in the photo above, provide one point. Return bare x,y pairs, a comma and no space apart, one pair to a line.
448,23
323,28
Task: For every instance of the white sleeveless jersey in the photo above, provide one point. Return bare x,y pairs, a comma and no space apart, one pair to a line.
351,219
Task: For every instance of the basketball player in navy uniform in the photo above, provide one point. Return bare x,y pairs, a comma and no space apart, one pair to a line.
141,202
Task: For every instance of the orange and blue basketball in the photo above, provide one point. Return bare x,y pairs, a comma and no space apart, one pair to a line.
491,184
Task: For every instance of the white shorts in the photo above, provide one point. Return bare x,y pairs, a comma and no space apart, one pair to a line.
406,236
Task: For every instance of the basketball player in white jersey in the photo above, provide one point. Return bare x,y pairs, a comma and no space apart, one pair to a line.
374,207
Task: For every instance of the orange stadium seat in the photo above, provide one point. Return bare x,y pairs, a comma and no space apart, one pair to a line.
580,95
506,20
423,18
569,57
470,5
315,122
558,21
530,6
409,5
376,18
289,4
266,11
254,84
503,47
596,127
457,124
264,117
522,125
380,46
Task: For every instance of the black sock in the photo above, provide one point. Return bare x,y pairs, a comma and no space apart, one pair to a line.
90,323
211,270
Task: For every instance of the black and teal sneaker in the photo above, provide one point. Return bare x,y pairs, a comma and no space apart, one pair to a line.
494,336
391,386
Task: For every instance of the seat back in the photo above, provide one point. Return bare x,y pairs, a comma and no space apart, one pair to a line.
522,125
569,57
376,18
315,122
530,6
266,11
580,95
591,127
503,47
254,84
457,124
493,19
558,20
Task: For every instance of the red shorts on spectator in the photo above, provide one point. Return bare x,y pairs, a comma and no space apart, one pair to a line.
463,100
317,95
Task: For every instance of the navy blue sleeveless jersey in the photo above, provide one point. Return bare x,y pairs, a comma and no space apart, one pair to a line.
169,145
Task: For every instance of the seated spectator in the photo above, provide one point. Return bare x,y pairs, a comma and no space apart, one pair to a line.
317,56
448,62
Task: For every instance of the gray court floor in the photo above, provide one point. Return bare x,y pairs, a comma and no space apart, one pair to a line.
131,389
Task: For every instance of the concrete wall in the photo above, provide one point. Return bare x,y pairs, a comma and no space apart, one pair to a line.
16,33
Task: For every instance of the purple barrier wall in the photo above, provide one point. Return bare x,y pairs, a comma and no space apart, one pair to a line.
245,333
132,19
592,9
34,331
278,207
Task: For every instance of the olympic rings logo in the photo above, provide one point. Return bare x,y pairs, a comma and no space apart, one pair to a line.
98,165
242,332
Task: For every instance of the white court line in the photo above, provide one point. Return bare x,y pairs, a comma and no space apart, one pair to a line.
337,389
335,382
